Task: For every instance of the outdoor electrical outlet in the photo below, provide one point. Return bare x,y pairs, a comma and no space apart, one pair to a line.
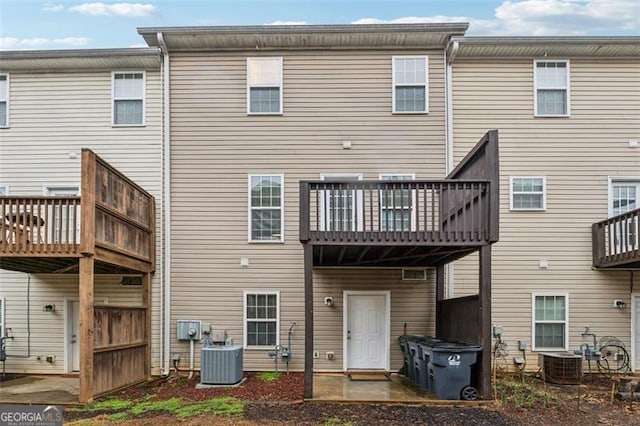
331,356
316,354
38,358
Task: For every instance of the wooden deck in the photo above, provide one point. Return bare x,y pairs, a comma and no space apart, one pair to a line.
109,229
616,242
410,223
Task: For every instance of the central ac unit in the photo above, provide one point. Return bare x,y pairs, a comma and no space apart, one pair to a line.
221,365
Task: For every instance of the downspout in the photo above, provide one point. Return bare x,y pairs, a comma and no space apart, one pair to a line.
453,51
165,314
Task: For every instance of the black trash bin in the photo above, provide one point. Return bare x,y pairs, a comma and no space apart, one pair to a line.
422,363
408,368
449,370
414,348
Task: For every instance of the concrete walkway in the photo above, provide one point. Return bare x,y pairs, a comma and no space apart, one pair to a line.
49,390
338,387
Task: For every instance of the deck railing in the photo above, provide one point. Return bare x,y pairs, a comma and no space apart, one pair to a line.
39,225
616,240
454,212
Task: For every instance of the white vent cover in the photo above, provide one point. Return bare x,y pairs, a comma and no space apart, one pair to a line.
414,274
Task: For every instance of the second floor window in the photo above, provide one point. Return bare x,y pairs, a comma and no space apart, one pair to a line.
4,101
264,85
528,193
551,80
265,208
410,84
128,98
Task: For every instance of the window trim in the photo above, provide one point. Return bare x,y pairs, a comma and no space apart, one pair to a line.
393,84
245,293
280,87
535,88
412,218
6,101
358,197
533,320
250,209
144,99
618,180
544,194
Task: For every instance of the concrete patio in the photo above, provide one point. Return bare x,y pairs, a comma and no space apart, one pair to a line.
338,387
49,390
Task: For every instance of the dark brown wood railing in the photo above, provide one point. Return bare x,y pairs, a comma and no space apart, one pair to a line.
39,226
616,241
454,212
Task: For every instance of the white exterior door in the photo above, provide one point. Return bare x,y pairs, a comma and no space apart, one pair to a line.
636,332
73,328
367,330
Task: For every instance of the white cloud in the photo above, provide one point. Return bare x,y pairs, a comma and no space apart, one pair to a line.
50,7
130,10
139,45
412,20
13,43
288,23
542,17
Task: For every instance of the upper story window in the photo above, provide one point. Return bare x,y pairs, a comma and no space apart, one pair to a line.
410,84
266,201
128,98
396,204
4,100
264,85
528,193
550,321
551,92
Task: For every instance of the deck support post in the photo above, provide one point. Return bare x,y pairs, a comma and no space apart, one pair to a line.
308,321
439,298
86,287
485,322
146,300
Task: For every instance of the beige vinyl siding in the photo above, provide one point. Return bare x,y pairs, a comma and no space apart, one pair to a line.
48,328
577,155
53,115
328,97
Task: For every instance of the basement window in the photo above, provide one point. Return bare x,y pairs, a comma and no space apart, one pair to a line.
414,274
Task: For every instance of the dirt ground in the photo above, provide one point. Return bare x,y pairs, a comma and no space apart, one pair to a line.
266,400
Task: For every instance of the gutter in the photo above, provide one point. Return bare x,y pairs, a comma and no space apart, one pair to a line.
450,55
165,287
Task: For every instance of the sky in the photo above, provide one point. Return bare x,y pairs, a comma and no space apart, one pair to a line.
32,24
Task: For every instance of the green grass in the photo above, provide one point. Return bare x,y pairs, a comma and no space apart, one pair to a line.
222,406
112,404
337,421
116,417
524,395
268,376
170,405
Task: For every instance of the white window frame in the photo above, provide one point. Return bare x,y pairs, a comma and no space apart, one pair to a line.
49,190
325,205
245,293
544,194
633,228
280,86
6,100
533,321
426,83
251,208
412,216
3,309
113,99
567,88
4,190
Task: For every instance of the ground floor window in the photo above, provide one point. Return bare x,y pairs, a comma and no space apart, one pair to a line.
550,321
262,316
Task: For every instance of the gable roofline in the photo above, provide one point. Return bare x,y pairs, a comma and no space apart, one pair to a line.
283,37
534,47
80,59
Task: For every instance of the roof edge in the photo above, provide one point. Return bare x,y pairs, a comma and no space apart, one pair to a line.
78,53
535,40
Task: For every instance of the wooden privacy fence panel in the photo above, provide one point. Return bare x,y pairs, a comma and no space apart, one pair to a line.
460,321
39,226
616,241
119,350
122,213
394,211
